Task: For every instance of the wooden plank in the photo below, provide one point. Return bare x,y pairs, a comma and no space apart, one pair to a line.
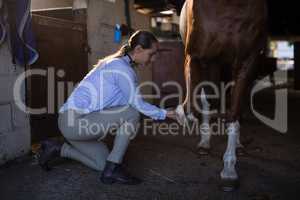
57,23
61,46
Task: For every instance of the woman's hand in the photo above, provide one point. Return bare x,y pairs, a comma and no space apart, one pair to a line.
171,114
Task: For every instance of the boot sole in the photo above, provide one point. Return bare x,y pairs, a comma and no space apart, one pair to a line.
110,181
107,181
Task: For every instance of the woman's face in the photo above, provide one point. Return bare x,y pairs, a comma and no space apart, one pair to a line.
146,56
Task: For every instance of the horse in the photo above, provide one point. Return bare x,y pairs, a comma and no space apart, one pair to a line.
220,34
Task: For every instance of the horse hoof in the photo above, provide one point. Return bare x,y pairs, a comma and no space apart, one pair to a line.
203,151
230,185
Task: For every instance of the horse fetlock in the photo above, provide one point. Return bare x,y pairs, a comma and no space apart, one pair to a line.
233,128
180,115
204,144
205,137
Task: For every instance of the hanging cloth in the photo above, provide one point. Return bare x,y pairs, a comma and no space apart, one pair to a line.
16,14
2,23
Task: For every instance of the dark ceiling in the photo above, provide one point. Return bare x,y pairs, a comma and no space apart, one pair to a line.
284,16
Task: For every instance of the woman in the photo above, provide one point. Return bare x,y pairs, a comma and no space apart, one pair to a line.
106,98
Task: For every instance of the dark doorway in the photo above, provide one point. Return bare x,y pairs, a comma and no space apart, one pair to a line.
62,45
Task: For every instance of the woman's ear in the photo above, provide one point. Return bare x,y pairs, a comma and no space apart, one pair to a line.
138,48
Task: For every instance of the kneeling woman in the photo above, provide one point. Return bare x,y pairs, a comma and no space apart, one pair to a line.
107,97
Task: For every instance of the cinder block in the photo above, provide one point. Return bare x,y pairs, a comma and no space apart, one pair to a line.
20,119
5,118
14,144
100,26
6,66
7,83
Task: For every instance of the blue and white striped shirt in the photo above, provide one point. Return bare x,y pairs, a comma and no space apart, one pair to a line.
112,84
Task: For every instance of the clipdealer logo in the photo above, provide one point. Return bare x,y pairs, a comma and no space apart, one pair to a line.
279,122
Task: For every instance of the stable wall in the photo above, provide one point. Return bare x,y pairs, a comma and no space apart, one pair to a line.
14,124
102,15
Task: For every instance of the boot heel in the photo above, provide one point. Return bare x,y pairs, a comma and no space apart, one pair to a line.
49,150
42,163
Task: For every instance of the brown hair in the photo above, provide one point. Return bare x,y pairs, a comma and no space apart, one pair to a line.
140,37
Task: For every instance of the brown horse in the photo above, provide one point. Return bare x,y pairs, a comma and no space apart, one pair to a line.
228,35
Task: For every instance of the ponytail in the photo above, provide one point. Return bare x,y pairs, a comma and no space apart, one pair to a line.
143,38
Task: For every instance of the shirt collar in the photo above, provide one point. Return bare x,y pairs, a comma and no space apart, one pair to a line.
126,58
129,60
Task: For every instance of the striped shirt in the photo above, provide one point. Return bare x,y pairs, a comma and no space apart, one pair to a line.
112,84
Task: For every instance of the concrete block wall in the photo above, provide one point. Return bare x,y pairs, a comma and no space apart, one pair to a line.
102,15
14,124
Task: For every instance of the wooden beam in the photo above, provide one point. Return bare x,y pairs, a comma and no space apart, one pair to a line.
127,16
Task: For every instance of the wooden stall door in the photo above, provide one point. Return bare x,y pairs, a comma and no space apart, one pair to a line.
63,57
169,68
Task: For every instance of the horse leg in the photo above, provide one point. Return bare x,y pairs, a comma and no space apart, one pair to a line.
181,109
207,74
204,144
229,174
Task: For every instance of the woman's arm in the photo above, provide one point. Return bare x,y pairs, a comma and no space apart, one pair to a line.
125,79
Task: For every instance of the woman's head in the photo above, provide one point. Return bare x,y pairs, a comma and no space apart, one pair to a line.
142,47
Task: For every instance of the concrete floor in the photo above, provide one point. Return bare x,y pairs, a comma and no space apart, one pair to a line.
172,169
